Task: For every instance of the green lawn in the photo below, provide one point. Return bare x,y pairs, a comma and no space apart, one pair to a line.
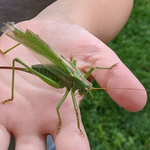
110,127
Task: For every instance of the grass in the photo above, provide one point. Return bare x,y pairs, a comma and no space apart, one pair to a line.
108,126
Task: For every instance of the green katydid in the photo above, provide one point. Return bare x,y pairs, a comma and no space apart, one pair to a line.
55,70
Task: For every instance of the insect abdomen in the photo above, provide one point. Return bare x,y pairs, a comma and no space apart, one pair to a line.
41,69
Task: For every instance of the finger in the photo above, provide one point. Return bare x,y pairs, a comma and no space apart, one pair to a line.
34,142
120,77
70,138
4,138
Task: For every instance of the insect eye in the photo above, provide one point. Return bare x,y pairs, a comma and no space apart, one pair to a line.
86,89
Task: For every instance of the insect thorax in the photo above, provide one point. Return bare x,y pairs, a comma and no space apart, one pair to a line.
82,85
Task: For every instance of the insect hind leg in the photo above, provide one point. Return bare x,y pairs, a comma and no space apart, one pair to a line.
9,49
12,86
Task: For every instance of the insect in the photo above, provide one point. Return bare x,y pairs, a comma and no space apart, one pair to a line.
54,69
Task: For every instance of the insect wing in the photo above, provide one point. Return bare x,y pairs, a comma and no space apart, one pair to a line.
49,58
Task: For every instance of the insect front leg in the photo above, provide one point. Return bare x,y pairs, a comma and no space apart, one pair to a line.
58,106
93,68
72,61
76,110
12,86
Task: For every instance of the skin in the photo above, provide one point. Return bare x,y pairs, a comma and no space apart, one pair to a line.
70,28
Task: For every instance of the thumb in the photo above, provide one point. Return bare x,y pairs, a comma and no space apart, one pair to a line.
122,86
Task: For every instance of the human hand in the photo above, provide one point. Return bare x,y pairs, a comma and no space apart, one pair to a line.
32,114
